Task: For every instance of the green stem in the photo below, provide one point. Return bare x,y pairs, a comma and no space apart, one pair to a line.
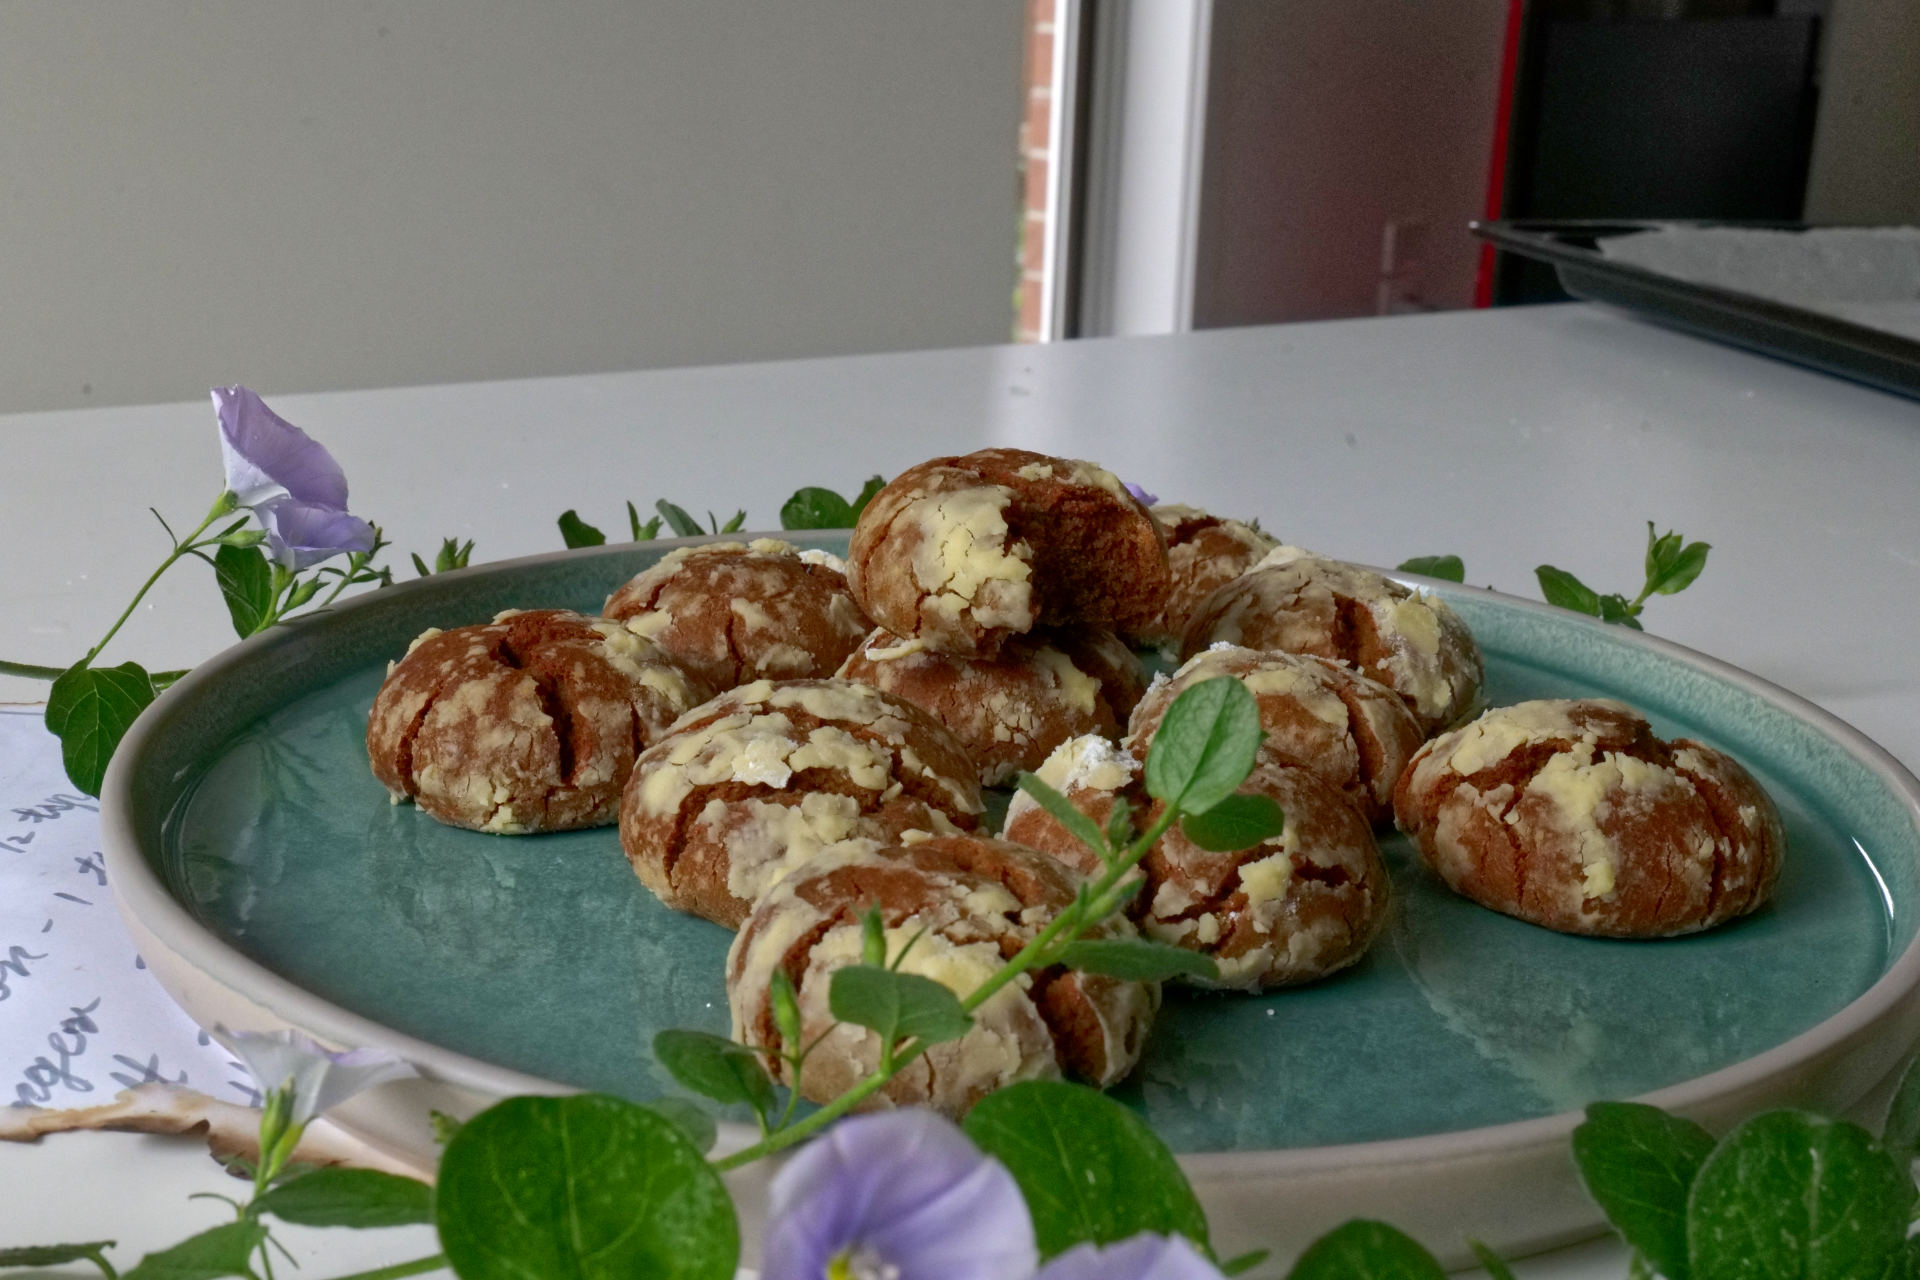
30,671
892,1064
180,549
419,1266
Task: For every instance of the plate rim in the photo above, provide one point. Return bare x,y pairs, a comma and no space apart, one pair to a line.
143,899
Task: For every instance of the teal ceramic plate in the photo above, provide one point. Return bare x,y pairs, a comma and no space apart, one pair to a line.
253,842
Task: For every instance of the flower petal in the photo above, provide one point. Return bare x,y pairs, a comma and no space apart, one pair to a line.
265,454
1141,496
1141,1257
909,1188
301,534
320,1078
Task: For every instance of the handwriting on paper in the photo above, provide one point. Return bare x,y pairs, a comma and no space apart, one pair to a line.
69,1043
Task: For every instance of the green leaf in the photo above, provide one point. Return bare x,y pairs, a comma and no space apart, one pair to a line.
678,520
733,525
690,1119
1639,1163
246,583
814,508
1244,1261
1492,1263
896,1005
715,1067
1616,608
576,532
242,538
1090,1169
454,554
1661,550
588,1187
52,1255
1362,1250
1563,589
1078,825
1446,568
349,1198
1205,745
223,1251
1120,832
444,1126
1900,1136
301,593
873,938
786,1011
1237,822
420,566
90,709
1794,1196
633,520
873,485
1685,568
1137,959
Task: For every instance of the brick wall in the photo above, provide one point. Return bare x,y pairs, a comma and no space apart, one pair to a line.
1034,160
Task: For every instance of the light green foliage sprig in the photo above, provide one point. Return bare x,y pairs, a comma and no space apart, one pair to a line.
808,508
1672,565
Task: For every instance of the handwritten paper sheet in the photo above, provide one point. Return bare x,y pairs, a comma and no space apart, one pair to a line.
80,1017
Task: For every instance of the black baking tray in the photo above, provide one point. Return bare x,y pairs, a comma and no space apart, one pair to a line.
1890,361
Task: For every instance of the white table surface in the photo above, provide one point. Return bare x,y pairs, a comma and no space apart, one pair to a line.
1510,438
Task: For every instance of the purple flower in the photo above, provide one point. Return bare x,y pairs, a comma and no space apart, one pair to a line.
266,455
1142,496
1141,1257
316,1078
901,1194
300,534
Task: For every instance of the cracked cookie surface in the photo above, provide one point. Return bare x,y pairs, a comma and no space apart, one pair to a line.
978,902
1009,711
1354,732
963,552
1289,910
1295,601
1571,814
760,780
531,722
1204,553
735,612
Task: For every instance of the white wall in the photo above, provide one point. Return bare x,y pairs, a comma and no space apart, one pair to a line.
311,195
1326,120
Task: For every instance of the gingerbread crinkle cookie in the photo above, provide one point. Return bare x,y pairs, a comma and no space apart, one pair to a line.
528,723
731,613
1571,814
1411,641
1010,710
1292,909
761,779
1354,732
1204,553
960,907
963,552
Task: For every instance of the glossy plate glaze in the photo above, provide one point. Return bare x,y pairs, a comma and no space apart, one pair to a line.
270,881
